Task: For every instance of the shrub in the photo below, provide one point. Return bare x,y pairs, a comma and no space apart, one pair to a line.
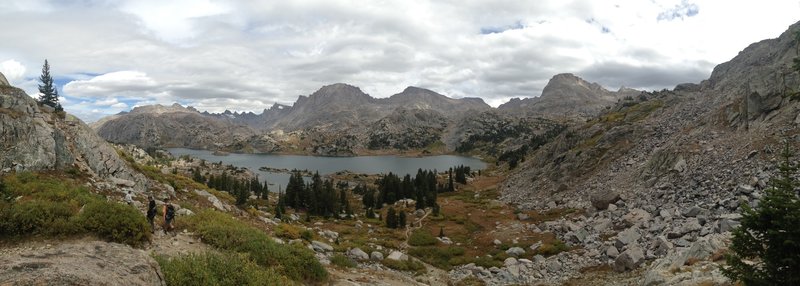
342,261
49,205
421,238
404,265
765,247
217,269
554,248
221,230
287,231
115,222
442,257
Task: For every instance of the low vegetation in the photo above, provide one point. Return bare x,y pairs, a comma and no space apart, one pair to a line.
223,231
218,269
410,265
421,237
49,205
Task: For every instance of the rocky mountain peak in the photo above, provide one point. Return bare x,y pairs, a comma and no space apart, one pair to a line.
567,84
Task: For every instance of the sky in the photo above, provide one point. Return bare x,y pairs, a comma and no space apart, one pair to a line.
109,56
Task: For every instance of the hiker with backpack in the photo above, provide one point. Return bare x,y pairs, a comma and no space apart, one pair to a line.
169,215
151,213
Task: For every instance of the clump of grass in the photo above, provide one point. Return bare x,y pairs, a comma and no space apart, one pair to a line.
287,231
342,261
223,231
217,269
421,237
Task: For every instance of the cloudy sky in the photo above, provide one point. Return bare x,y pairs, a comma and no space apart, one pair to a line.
244,55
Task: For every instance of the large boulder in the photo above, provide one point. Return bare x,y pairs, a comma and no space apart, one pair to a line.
79,263
629,259
601,199
3,80
397,255
319,246
358,254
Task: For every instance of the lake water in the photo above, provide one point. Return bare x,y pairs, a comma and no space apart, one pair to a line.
328,165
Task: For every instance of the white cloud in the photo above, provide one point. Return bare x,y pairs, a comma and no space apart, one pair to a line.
13,70
129,84
245,55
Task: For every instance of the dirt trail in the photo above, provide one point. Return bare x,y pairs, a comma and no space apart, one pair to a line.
419,224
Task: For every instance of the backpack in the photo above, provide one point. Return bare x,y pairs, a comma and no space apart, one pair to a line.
170,211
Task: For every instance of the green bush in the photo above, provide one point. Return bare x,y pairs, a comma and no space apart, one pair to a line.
37,217
442,257
115,222
342,261
421,237
47,204
217,269
223,231
404,265
548,249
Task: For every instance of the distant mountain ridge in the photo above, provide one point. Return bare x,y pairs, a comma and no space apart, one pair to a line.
340,119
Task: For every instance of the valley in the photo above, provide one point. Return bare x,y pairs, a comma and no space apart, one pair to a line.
581,185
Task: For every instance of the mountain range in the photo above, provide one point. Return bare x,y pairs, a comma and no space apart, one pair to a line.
340,119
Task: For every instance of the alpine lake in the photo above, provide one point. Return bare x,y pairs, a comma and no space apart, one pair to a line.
277,165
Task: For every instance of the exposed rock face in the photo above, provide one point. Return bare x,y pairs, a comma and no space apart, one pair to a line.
567,96
32,139
3,80
79,263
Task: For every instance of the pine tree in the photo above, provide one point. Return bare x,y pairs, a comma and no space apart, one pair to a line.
48,94
401,219
391,218
766,247
441,231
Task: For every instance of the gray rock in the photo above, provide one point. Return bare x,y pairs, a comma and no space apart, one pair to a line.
602,225
626,237
397,255
515,251
629,259
636,217
612,252
214,200
553,265
601,199
694,211
522,216
510,261
184,212
376,256
497,242
80,263
357,254
688,226
661,246
319,246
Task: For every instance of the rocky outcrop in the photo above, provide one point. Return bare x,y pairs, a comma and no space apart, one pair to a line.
33,139
78,263
567,96
3,80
